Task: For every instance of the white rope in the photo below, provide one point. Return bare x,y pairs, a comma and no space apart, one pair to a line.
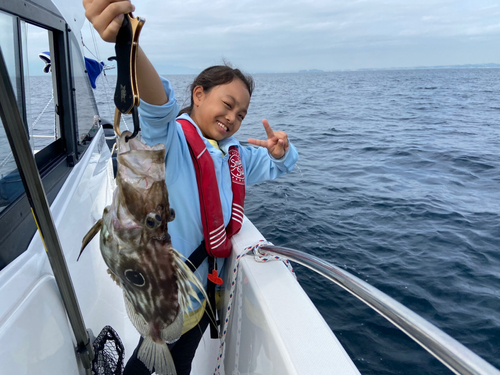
5,160
239,286
95,43
106,93
98,58
40,115
88,49
126,126
94,39
31,129
96,55
258,257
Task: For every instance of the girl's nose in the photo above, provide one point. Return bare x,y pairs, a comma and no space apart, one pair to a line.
230,117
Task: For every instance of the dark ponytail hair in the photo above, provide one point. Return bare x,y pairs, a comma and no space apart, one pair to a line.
215,76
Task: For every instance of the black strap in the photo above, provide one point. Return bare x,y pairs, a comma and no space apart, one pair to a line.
212,264
194,261
197,257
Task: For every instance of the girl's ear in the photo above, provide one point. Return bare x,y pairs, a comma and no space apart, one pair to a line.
198,94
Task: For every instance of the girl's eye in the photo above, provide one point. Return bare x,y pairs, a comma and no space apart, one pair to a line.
242,117
227,105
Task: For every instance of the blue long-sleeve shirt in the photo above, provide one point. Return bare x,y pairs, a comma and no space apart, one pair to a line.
159,125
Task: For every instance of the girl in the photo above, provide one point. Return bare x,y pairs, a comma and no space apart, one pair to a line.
220,97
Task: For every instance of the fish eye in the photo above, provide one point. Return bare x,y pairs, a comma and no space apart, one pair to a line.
153,220
135,277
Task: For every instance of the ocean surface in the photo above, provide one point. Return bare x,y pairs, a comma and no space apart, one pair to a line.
398,182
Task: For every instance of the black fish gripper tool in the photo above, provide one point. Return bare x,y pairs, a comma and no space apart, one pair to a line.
127,91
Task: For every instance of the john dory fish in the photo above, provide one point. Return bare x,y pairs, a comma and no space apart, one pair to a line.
136,247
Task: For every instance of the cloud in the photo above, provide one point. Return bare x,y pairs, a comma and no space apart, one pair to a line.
290,35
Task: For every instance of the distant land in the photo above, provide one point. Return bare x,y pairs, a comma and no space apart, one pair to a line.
466,66
165,69
311,71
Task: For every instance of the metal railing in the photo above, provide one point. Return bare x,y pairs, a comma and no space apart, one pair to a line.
446,349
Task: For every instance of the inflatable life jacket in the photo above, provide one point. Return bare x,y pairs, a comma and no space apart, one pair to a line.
217,243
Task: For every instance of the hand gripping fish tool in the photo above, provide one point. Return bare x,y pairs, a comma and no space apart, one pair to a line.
127,91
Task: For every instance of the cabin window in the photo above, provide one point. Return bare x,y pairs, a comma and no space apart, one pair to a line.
36,59
30,72
11,186
42,122
8,31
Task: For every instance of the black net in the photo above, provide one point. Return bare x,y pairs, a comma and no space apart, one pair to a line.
109,353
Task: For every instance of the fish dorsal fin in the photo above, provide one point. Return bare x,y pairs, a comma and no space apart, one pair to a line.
91,234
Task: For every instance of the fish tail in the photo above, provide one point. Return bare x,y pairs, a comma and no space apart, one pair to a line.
157,357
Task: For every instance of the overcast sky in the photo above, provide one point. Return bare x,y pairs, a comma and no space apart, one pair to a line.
287,36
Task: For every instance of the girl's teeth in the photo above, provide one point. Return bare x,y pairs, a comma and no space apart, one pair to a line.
222,125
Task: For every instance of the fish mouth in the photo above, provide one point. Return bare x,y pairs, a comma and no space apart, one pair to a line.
130,144
164,238
134,144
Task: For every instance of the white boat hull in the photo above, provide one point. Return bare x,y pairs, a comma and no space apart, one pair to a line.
275,328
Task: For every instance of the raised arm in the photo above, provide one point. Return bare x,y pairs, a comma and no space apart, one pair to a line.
107,17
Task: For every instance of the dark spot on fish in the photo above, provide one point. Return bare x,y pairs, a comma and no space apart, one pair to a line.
135,277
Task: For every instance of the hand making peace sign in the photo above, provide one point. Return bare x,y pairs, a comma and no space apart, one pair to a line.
277,141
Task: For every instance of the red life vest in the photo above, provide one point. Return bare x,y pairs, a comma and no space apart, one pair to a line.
217,237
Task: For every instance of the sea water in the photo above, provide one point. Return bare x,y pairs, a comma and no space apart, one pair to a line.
398,182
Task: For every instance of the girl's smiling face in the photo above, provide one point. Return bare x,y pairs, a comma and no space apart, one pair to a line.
220,111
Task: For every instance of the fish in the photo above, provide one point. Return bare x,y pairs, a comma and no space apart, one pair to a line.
137,248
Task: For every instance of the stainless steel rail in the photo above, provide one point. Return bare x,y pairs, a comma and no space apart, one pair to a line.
450,352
